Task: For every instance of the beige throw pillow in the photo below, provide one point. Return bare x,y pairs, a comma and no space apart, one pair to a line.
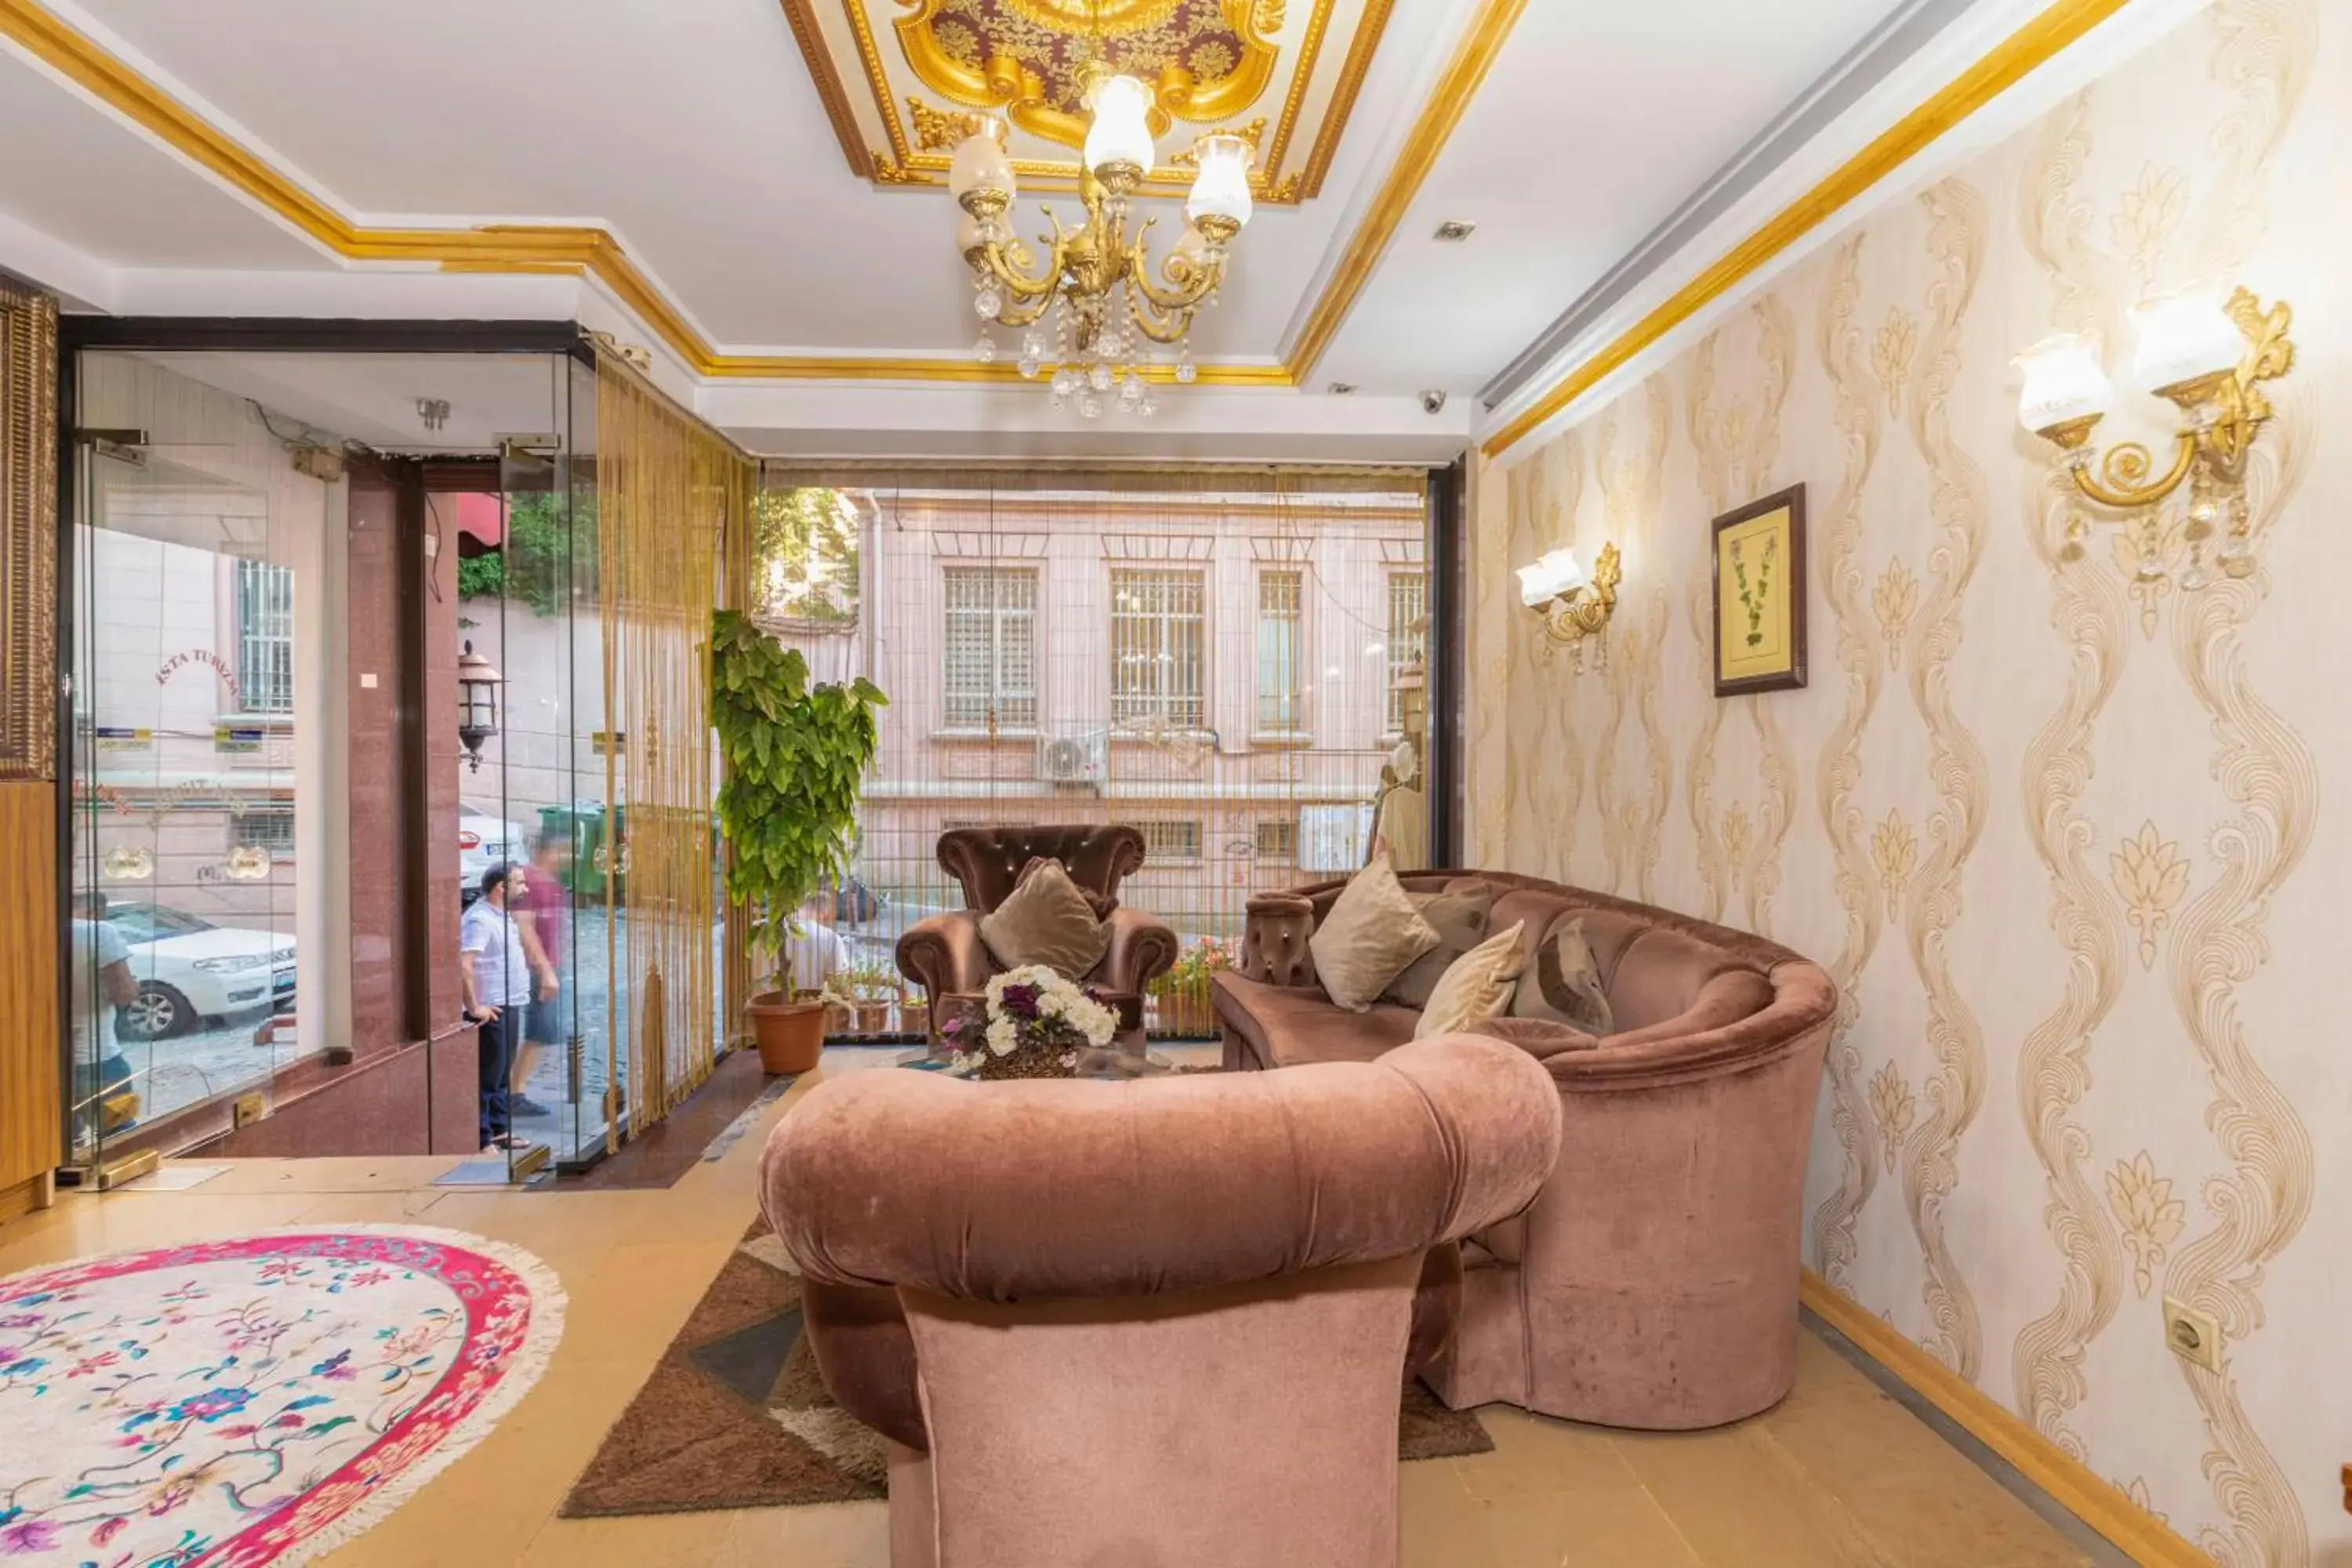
1046,920
1562,983
1370,934
1460,918
1475,987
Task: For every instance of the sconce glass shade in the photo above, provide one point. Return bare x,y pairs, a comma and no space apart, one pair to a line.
2184,337
1221,187
1554,575
1120,133
970,235
980,163
2064,382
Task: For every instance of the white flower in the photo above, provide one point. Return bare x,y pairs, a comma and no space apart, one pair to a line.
1001,1036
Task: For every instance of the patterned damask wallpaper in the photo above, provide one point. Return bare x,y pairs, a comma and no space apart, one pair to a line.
2058,831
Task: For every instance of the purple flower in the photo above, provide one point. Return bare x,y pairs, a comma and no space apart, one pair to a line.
33,1535
1021,1001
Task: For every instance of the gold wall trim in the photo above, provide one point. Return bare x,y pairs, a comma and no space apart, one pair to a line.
28,554
507,248
2008,63
2072,1484
1473,57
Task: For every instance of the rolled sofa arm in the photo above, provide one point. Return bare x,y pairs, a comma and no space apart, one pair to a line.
1275,932
1142,948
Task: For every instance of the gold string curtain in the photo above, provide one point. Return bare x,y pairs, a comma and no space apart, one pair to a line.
672,494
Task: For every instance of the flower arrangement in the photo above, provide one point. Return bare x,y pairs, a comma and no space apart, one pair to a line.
1183,993
1036,1024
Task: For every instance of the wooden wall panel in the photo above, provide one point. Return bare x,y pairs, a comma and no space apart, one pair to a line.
28,995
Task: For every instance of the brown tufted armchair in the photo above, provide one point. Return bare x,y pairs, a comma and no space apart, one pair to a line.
943,954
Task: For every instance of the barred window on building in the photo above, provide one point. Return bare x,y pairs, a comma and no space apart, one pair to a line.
265,637
991,647
1279,650
1408,638
1157,635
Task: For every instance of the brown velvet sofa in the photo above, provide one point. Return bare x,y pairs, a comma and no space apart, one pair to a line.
1155,1322
943,954
1652,1283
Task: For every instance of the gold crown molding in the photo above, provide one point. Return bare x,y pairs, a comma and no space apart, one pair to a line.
2008,63
908,161
1472,59
2133,1532
504,248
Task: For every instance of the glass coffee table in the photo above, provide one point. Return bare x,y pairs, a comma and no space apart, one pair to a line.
1126,1056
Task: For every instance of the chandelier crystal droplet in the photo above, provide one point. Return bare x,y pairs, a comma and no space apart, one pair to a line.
1105,301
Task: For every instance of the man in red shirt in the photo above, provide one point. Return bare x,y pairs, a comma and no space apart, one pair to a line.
544,916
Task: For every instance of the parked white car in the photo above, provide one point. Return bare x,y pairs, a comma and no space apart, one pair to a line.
190,970
484,840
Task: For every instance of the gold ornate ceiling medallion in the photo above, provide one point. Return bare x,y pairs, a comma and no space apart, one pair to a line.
1209,63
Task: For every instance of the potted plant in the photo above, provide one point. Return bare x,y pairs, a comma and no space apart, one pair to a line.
1183,991
794,755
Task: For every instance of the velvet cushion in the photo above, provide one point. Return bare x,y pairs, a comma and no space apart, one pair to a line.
1460,917
1562,984
1370,935
1046,920
1476,986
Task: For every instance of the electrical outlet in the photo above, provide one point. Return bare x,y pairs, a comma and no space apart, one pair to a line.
248,1109
2192,1335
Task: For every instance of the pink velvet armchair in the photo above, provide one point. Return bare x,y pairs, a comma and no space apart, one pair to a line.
943,954
1156,1323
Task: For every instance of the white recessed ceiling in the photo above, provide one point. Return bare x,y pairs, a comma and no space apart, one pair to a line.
694,131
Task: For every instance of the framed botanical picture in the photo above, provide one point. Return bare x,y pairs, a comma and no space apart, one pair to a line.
1760,595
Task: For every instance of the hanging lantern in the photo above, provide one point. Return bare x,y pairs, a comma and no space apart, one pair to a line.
477,703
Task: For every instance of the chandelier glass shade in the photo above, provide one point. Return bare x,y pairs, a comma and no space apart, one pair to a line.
1096,312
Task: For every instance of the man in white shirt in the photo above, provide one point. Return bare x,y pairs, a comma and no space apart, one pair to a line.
102,981
496,979
815,953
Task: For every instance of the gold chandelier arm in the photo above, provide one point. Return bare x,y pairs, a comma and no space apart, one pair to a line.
1186,294
1021,286
2119,484
1161,326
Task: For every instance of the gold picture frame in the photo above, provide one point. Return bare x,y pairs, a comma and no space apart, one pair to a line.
1757,562
28,524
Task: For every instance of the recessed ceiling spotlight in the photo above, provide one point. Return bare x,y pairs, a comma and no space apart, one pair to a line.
1343,389
1454,231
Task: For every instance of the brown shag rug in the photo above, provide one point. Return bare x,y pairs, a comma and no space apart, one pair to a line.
736,1416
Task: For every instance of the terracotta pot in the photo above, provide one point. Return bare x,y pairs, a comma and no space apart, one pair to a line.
789,1034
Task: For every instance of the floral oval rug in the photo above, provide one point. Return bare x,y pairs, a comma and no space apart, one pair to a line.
253,1400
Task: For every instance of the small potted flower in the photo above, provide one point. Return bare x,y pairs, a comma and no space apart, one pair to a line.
1035,1025
1182,992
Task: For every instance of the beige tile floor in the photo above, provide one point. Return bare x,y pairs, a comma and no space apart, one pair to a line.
1838,1475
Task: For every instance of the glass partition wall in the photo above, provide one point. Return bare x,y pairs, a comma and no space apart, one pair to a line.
230,855
1231,660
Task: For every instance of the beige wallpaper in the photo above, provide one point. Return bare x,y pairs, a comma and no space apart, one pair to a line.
2056,827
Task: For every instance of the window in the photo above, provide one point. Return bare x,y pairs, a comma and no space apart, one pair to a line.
1408,638
265,637
273,831
1165,842
1277,839
1278,708
1156,636
991,647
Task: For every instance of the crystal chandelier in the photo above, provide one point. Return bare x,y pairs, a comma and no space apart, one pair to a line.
1107,310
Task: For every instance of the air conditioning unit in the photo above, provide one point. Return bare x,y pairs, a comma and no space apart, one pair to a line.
1073,759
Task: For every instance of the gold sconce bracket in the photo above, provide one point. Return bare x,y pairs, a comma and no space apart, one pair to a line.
2222,418
1580,619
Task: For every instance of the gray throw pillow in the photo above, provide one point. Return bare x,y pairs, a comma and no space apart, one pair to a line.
1046,920
1561,983
1461,922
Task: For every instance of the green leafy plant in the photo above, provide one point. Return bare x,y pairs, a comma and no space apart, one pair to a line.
545,561
795,753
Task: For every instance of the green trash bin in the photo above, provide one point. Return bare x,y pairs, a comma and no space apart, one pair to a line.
581,822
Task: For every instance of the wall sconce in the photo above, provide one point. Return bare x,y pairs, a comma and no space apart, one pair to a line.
2208,357
477,703
1575,608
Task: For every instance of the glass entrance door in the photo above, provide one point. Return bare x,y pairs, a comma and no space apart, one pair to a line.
185,996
